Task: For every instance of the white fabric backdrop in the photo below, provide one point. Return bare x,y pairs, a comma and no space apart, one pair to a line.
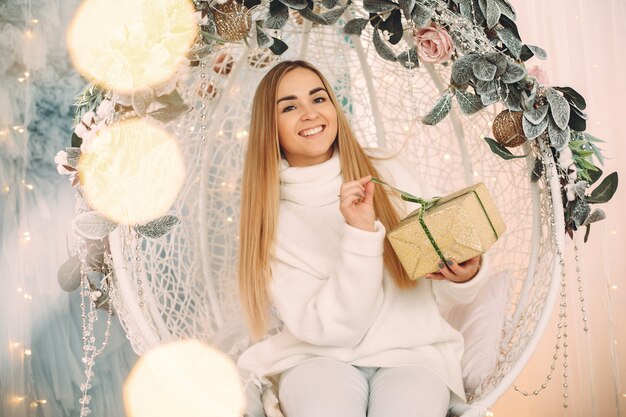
584,40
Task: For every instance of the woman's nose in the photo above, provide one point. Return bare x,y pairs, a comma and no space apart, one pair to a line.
309,112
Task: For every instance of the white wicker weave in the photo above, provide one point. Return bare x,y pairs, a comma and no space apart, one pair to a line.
186,287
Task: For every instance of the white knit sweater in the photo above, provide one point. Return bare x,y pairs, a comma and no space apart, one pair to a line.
335,298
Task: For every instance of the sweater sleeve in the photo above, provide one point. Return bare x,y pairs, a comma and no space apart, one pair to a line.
448,293
339,309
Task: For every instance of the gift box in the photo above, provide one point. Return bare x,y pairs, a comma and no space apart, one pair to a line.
461,225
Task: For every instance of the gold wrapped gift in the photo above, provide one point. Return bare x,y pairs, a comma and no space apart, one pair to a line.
461,226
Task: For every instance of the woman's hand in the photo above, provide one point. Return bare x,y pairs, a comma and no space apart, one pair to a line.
458,273
356,203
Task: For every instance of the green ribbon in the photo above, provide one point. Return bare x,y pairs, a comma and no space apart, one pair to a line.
427,204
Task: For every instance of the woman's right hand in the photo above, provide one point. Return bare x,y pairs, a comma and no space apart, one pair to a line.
356,203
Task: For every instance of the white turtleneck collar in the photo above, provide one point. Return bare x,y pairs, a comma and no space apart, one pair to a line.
311,186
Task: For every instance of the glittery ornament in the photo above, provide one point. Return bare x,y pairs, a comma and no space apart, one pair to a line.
223,64
233,21
463,225
261,58
508,130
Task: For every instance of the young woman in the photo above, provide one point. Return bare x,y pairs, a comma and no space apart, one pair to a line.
358,337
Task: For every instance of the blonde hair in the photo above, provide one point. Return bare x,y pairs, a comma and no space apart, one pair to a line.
260,196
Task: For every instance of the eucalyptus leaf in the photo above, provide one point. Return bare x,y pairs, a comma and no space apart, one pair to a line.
355,26
93,225
379,6
327,18
513,104
594,176
278,15
603,192
69,275
499,60
278,46
514,73
141,99
483,69
532,131
577,119
580,212
511,41
295,4
506,9
263,40
536,116
537,51
580,188
409,58
382,48
573,96
158,227
173,99
537,170
489,98
595,216
592,138
483,87
468,103
422,14
558,137
407,7
492,13
501,150
462,69
168,113
440,109
559,107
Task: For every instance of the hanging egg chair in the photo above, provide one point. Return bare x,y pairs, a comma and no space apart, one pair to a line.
183,285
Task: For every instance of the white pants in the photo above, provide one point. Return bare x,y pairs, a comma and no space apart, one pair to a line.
326,387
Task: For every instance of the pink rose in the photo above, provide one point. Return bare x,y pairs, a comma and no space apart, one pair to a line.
538,72
434,44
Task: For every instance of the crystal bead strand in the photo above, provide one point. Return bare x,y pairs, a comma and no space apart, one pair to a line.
548,163
203,95
581,295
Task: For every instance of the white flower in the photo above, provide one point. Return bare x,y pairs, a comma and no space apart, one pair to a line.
81,130
88,118
88,139
61,159
105,109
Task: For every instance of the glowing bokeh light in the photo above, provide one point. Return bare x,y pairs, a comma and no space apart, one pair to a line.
126,44
132,172
184,378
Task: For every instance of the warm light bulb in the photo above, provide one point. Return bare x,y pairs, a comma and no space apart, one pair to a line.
184,378
30,186
35,21
127,44
132,172
615,287
27,352
229,219
446,157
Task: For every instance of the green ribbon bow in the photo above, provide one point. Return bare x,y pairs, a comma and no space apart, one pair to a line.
427,204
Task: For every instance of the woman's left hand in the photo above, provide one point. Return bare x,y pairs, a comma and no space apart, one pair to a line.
455,272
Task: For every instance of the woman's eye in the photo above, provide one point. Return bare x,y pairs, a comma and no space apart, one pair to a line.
288,108
319,100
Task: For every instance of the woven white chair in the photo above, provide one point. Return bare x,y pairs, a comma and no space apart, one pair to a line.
186,284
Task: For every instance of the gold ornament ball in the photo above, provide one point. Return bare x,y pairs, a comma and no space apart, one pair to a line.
233,21
223,64
508,130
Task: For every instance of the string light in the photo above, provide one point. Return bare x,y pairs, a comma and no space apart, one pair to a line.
6,189
27,352
613,232
35,21
19,289
29,186
615,287
26,237
229,219
28,296
446,157
475,173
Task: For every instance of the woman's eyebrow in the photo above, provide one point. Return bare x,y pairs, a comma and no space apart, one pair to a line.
313,91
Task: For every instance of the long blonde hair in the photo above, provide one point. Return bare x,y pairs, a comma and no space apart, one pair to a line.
260,196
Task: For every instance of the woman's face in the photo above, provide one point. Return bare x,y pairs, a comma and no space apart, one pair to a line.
306,118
